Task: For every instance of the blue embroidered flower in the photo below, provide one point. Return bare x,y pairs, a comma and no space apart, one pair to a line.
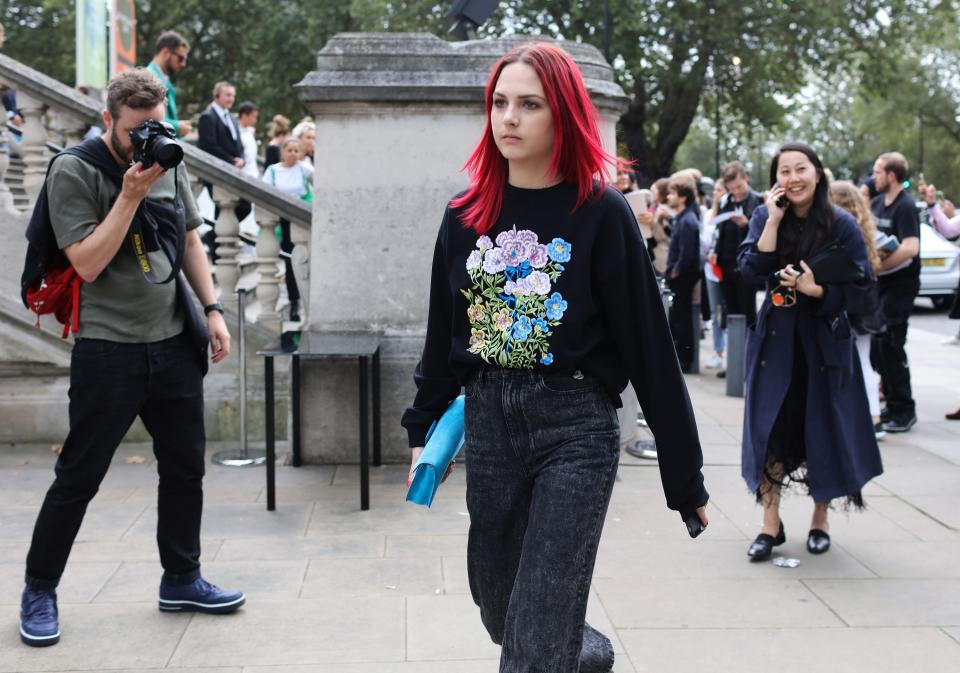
522,328
555,306
547,359
559,250
542,324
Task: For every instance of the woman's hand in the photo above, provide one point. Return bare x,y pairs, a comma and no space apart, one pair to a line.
804,281
415,456
702,513
774,212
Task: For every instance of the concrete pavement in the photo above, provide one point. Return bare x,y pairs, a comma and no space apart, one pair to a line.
332,589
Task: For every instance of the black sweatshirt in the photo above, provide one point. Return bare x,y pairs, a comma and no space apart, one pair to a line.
560,291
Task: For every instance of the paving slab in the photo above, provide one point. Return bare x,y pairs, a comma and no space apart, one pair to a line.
346,545
259,580
624,561
80,582
907,650
425,545
344,578
226,520
457,619
133,636
892,602
712,603
909,560
298,633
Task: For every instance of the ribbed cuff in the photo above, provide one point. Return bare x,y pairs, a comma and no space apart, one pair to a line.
40,585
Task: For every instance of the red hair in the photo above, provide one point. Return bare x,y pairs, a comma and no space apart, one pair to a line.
578,154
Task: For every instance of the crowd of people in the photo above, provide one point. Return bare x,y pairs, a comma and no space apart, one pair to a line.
286,164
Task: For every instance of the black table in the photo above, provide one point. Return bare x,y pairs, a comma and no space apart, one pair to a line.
363,347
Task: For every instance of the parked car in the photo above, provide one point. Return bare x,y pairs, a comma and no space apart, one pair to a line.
939,265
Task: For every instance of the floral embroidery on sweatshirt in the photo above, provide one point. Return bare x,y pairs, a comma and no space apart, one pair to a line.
513,307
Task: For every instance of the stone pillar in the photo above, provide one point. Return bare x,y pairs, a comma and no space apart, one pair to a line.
397,115
33,145
6,197
300,260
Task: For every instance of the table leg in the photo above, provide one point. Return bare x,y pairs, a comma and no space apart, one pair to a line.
295,384
376,408
364,434
271,438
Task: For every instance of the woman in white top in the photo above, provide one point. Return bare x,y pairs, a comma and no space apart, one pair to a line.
292,177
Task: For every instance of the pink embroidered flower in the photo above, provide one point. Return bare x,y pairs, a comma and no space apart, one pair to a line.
514,253
484,243
527,236
538,256
505,237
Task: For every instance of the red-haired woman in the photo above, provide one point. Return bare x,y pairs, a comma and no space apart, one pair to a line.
543,304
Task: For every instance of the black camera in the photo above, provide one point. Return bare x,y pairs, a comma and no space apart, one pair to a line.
155,141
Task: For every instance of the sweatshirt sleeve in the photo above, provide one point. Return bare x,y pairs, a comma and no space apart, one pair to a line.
630,300
949,227
756,266
437,386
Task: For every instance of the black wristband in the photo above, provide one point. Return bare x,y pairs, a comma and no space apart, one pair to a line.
207,310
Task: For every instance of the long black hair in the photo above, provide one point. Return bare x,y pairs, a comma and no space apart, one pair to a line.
797,239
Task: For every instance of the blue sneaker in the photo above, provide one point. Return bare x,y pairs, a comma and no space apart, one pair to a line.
199,596
39,626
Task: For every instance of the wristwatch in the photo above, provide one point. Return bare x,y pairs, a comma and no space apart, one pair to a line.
213,307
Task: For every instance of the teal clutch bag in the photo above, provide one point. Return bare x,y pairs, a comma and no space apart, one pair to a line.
444,441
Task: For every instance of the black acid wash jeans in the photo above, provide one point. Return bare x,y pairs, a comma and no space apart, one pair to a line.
110,385
541,458
896,304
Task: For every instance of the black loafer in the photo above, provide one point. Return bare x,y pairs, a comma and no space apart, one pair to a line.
763,546
818,541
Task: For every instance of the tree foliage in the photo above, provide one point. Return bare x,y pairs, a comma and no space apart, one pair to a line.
676,59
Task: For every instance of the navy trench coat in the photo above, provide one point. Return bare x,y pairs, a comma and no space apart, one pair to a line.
841,448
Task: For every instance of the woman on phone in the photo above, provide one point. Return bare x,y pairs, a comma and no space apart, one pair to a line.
543,303
806,418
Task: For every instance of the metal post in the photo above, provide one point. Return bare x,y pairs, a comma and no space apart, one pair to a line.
736,354
697,324
244,456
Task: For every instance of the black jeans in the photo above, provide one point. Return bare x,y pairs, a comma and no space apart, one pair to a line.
110,385
681,317
541,458
896,304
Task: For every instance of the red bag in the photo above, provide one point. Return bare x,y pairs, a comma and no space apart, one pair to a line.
58,293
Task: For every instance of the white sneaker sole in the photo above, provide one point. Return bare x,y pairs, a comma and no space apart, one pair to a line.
39,641
193,606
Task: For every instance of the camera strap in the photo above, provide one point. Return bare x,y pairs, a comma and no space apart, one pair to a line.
158,232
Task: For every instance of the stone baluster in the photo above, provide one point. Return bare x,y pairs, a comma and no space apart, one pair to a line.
268,258
33,145
300,259
227,228
6,198
72,127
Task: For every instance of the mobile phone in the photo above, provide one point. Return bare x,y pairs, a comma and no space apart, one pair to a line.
782,202
695,525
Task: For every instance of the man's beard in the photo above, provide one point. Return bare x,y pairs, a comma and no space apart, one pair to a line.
117,147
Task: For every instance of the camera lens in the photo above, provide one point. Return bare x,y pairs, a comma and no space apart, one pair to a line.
166,152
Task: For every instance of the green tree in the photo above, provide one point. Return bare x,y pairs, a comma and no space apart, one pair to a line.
55,20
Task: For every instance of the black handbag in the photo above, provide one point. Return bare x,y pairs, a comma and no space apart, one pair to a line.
833,265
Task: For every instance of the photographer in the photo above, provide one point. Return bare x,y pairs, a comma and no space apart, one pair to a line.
136,354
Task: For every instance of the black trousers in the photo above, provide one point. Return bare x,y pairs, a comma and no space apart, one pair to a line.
681,317
110,385
286,244
739,296
896,304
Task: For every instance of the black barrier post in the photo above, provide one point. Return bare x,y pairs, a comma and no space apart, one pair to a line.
736,354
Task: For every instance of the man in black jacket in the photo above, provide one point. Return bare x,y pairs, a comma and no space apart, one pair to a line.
739,295
219,135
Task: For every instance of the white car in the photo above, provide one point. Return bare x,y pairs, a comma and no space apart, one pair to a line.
939,266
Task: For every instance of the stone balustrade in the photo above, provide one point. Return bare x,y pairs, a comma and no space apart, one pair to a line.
53,112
